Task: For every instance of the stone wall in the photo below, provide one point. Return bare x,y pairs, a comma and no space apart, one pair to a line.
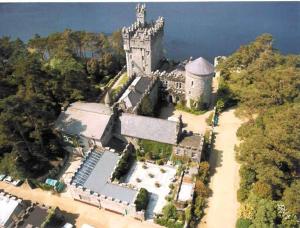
152,92
173,84
194,153
197,87
123,89
83,194
143,44
107,88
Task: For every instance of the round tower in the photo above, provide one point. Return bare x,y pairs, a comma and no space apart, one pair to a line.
198,81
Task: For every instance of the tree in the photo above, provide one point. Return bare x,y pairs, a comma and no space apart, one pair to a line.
266,214
201,189
203,173
199,207
265,84
169,211
291,197
243,223
142,200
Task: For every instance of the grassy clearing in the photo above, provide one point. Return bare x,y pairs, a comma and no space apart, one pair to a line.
123,79
154,150
182,107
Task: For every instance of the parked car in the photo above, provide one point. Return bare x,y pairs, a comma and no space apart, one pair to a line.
2,176
17,182
68,225
8,179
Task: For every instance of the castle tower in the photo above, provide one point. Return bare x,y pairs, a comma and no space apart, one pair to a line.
141,14
143,44
198,81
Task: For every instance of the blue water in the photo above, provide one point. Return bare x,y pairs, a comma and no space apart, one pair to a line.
191,29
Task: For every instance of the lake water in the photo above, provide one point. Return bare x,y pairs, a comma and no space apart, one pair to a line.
191,29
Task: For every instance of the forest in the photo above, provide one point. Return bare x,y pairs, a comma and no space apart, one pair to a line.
266,86
37,79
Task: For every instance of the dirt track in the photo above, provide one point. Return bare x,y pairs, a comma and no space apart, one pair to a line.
223,205
76,212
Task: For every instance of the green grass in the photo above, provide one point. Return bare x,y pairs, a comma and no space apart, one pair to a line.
182,107
123,79
155,150
8,165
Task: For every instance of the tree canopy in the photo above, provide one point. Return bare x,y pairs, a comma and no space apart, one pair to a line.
38,78
266,86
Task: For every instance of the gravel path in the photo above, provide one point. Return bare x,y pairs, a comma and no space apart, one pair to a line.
223,205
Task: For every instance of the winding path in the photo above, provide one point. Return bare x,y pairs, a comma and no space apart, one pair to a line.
223,205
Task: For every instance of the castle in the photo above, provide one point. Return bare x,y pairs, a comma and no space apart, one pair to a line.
189,82
121,122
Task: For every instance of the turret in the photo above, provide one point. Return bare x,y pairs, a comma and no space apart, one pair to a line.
141,14
143,44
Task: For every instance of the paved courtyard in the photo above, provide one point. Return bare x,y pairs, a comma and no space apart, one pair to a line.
140,177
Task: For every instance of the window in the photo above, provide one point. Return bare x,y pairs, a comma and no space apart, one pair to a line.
192,83
132,65
189,92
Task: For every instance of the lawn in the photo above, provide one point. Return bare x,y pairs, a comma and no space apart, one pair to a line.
117,87
189,110
154,150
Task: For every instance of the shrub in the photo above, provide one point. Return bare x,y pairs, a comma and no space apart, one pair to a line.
220,106
162,170
291,197
262,190
150,175
201,189
243,223
160,162
209,119
188,213
168,198
142,200
170,211
123,165
138,180
199,207
157,184
248,177
203,171
246,211
242,194
171,186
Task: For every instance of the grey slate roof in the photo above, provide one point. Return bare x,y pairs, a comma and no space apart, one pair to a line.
200,67
87,119
95,174
135,91
149,128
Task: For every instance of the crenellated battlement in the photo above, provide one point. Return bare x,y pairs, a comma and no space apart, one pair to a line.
143,43
144,32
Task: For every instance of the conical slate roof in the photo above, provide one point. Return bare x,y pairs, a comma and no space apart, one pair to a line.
200,67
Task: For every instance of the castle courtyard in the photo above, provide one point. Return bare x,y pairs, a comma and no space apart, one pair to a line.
148,175
194,123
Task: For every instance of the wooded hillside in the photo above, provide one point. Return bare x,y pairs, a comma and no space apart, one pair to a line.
36,80
266,86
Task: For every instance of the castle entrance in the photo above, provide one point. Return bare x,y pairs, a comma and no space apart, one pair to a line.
170,99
